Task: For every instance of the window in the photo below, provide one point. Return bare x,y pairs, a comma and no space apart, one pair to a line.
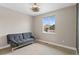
48,24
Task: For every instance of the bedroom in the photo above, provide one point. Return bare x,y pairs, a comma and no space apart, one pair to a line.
53,26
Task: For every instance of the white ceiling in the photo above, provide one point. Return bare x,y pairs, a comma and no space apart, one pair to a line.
44,7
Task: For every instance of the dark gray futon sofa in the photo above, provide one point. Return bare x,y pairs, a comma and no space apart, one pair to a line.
20,39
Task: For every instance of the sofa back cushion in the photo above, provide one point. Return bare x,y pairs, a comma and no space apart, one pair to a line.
27,35
15,37
18,37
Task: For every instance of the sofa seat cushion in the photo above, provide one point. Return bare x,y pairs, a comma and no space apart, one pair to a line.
27,40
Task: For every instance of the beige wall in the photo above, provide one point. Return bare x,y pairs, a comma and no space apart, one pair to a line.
13,22
65,27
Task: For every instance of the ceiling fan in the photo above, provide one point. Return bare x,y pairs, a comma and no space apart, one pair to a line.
35,7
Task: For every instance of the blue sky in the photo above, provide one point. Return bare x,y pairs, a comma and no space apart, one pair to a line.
49,20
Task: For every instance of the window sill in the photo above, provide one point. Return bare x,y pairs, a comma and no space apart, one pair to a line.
48,33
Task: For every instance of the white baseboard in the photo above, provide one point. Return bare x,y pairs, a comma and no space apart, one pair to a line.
2,47
71,48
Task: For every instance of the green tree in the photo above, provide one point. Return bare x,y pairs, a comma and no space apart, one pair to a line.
52,27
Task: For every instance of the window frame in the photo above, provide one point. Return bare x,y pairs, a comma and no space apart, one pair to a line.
43,28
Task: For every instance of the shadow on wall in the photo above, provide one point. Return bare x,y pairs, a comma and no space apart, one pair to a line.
3,40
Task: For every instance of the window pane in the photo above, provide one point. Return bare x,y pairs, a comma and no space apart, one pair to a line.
49,24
